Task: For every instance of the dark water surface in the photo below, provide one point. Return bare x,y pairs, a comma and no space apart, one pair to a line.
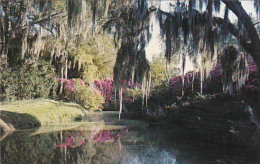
101,138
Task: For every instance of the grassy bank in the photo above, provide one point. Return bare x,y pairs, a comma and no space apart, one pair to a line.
32,113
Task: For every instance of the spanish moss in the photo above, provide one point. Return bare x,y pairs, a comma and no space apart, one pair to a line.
234,69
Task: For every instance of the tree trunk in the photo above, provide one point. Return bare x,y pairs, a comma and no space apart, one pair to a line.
5,33
62,77
252,47
66,65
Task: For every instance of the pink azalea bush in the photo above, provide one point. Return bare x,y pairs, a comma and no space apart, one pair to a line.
86,95
95,96
252,86
130,89
70,84
213,84
106,88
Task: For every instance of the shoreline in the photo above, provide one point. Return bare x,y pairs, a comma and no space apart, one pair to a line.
34,113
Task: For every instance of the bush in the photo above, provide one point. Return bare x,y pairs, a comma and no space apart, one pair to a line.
8,85
214,84
106,88
131,90
88,97
29,81
131,94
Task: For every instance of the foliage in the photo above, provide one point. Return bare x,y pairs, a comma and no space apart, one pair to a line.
209,115
96,56
161,70
87,57
186,30
106,88
87,96
204,98
31,80
131,94
131,91
214,83
165,98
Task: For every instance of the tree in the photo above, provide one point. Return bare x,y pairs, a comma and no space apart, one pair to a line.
186,30
19,25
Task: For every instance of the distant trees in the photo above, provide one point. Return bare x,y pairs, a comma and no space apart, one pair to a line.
59,32
161,72
52,29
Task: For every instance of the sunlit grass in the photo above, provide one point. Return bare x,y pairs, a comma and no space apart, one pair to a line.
42,110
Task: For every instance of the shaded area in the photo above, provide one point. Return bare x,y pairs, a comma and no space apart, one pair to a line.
19,120
220,119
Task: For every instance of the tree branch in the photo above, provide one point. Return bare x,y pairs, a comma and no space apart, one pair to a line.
36,22
235,32
256,23
239,11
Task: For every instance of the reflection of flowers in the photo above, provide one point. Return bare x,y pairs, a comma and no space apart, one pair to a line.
105,135
102,136
69,142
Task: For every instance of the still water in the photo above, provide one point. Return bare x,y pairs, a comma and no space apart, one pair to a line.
101,138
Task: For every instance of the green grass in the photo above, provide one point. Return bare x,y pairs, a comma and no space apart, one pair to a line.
31,113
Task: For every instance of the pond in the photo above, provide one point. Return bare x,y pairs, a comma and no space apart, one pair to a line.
102,138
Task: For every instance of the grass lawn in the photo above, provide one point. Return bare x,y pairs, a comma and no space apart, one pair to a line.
31,113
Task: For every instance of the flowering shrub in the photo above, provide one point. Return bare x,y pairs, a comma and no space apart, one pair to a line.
131,90
70,83
251,87
213,84
106,88
87,96
130,94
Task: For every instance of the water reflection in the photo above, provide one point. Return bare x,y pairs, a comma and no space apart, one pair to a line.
98,146
113,144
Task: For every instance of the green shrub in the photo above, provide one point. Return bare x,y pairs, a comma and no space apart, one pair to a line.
8,84
131,94
89,97
29,81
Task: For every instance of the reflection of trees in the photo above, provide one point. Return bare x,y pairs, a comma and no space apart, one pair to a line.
28,149
42,149
89,152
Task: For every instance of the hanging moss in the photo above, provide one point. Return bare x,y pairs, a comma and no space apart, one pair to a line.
216,5
234,69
